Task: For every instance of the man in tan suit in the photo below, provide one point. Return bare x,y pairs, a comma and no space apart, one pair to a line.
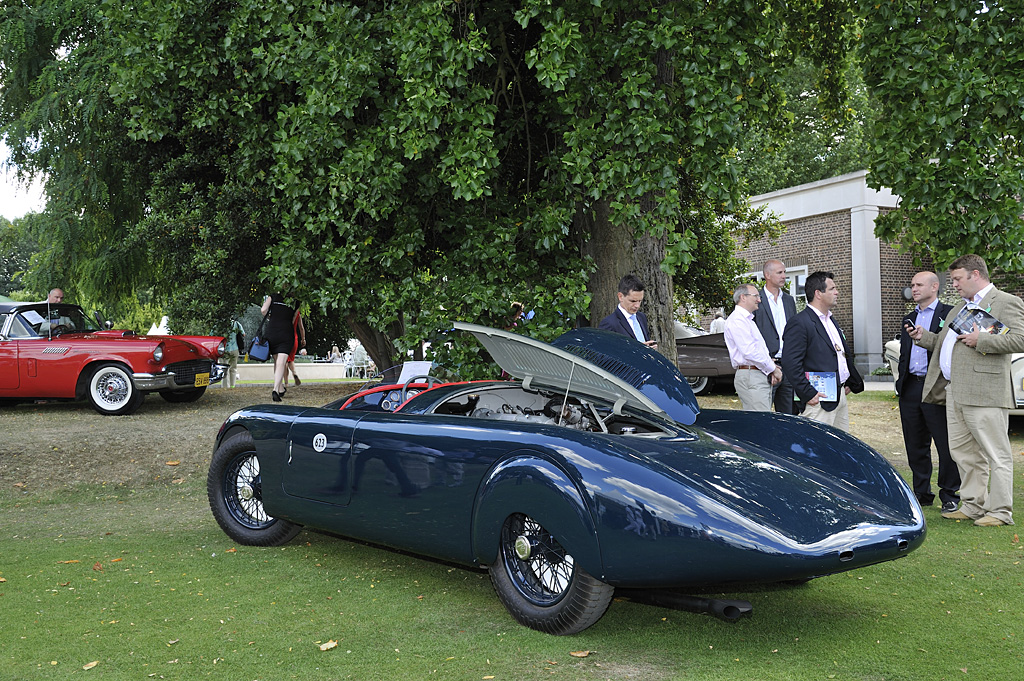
974,370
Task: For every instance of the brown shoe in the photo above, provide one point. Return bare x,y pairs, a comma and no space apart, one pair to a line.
988,521
956,515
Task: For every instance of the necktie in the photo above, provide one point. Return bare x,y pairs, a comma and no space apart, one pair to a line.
636,328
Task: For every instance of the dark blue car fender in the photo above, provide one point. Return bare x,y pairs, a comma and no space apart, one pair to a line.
529,483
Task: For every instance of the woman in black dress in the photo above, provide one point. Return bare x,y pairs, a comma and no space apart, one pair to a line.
280,332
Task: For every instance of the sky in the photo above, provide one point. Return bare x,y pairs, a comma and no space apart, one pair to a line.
16,199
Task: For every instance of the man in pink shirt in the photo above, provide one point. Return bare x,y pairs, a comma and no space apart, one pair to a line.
756,371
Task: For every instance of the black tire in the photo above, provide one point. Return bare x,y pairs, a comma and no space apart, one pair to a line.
111,390
190,395
234,487
540,584
701,385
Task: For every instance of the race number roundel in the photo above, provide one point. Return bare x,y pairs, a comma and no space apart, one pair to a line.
319,442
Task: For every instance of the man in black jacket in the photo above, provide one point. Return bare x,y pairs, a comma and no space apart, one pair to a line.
923,422
777,307
627,318
816,350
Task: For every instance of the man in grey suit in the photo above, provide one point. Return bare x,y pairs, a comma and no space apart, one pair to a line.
777,307
974,371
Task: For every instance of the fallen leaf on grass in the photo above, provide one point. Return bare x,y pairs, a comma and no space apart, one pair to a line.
172,463
91,664
177,481
98,566
19,484
231,551
580,653
328,645
66,562
171,643
3,579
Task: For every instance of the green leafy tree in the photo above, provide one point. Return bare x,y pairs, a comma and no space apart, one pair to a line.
812,143
949,75
400,164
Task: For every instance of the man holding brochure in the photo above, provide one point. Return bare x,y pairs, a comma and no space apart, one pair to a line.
974,347
818,361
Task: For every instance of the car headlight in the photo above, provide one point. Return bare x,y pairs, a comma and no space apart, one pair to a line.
221,347
158,353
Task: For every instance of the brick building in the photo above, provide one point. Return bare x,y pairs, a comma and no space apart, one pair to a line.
830,226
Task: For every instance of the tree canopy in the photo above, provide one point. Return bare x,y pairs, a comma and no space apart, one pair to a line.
948,140
397,165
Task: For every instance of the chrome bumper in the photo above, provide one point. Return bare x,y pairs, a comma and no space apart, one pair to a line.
165,381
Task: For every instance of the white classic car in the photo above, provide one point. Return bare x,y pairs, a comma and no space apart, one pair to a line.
892,356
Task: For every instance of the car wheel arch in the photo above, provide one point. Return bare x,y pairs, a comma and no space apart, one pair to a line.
530,483
86,371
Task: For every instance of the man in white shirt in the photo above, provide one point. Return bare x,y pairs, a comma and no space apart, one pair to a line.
756,372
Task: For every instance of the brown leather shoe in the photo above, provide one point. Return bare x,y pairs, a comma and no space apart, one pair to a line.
956,515
988,521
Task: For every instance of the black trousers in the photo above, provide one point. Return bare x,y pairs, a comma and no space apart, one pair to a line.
782,395
924,423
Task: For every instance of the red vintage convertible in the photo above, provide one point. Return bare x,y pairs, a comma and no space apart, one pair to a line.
55,352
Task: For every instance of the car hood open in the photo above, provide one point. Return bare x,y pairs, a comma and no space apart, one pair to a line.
599,363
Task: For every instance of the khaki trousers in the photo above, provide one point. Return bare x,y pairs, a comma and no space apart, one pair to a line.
838,417
754,389
980,446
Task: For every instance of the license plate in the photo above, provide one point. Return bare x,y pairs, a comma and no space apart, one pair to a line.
202,380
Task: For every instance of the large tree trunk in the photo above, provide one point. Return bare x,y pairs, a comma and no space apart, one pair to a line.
617,251
377,345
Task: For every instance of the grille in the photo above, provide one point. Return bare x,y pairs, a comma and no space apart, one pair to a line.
185,372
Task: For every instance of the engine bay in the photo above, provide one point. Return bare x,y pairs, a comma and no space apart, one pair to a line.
522,405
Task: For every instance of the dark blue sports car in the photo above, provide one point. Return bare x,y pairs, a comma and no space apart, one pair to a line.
594,470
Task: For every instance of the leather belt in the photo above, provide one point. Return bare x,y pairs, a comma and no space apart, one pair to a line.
913,376
747,366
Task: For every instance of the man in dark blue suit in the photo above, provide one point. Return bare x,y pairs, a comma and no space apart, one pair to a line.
627,318
924,422
777,307
815,345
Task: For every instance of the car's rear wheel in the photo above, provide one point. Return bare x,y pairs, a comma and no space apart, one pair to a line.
190,395
111,390
540,584
235,488
701,385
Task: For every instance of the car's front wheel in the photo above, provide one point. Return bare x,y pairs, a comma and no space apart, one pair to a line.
235,488
111,390
190,395
540,584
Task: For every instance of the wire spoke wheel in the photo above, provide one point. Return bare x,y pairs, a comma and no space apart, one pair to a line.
539,582
235,488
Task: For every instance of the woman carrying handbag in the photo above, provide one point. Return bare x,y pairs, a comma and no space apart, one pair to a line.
281,335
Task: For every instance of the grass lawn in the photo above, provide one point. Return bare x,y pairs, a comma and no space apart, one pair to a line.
140,580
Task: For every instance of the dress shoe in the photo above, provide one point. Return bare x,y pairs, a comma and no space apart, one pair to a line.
925,501
948,506
275,396
988,521
956,515
297,382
